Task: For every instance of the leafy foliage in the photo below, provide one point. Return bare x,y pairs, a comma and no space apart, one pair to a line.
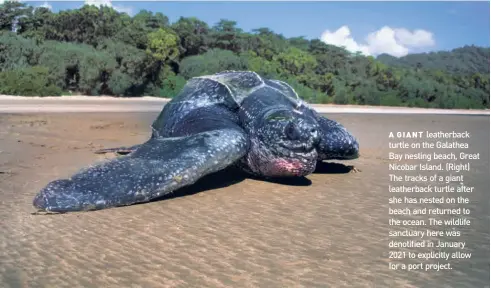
193,34
211,62
97,51
465,60
163,45
31,81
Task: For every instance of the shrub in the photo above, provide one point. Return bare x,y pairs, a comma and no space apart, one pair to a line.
211,62
32,81
171,86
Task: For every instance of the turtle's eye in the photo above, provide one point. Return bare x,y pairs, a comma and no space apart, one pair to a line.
292,132
278,118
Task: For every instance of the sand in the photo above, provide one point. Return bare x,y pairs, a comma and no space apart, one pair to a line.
16,104
329,229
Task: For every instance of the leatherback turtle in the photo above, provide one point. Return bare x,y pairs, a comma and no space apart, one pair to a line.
229,118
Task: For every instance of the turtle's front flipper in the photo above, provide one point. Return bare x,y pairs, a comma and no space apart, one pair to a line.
160,166
118,150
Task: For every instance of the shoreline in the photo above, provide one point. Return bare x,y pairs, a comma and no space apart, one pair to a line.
25,104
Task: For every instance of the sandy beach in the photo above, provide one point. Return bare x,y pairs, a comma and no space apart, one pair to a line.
329,229
16,104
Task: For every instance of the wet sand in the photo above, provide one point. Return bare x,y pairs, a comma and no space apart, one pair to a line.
327,230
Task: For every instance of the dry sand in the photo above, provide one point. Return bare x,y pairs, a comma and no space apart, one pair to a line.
327,230
16,104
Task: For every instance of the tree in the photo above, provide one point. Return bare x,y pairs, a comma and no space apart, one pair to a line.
88,25
226,35
150,20
36,23
163,45
194,36
10,11
296,61
300,43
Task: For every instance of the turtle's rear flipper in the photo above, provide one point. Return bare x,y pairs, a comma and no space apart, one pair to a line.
158,167
118,150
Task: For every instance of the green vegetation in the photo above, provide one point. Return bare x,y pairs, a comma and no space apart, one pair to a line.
31,81
96,51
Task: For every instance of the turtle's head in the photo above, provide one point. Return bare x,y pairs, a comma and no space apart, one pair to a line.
283,144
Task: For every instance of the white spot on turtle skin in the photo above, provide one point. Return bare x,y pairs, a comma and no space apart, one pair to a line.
297,112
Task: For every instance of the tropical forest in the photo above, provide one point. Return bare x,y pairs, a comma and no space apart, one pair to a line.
100,51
